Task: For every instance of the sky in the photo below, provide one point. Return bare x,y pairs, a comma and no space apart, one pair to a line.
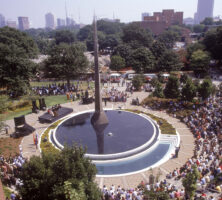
82,11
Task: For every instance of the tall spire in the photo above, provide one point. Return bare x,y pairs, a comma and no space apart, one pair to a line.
99,117
66,14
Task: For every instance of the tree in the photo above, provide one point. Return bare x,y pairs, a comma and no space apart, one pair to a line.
117,63
66,62
15,69
138,81
200,61
142,60
109,28
172,88
158,48
90,41
3,107
184,78
169,61
158,92
205,89
208,21
190,182
84,32
62,175
11,36
191,48
189,90
64,36
168,38
198,28
136,36
213,43
110,41
125,51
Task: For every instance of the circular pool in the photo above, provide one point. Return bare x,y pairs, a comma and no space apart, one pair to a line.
126,134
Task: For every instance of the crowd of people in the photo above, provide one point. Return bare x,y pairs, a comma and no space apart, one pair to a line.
9,170
58,89
114,95
205,122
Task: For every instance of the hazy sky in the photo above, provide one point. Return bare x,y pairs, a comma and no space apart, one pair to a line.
82,10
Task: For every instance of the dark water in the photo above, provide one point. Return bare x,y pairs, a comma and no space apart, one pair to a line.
128,130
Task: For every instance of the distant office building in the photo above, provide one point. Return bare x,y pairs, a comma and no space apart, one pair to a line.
61,22
145,15
23,23
162,20
70,22
49,21
11,24
204,9
2,21
188,21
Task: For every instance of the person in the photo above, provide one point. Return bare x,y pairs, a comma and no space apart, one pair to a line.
12,196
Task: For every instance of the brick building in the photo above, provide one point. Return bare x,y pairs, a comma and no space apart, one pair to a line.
162,20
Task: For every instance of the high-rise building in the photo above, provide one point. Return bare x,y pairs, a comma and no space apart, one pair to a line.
2,21
61,22
23,23
11,24
70,21
204,9
49,21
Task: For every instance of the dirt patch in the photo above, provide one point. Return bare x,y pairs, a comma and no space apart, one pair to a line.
9,146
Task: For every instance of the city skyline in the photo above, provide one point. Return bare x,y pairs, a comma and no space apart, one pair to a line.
82,11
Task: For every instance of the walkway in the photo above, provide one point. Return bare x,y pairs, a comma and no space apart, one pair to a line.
130,181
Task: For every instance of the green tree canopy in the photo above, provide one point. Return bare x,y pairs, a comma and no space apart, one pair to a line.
158,92
59,176
117,63
64,36
158,48
142,60
125,51
11,36
192,48
199,28
190,182
15,69
169,61
213,43
172,88
110,41
205,89
138,81
200,61
109,27
208,21
136,36
168,38
90,41
84,32
66,62
189,90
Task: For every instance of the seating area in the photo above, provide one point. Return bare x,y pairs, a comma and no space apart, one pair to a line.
54,114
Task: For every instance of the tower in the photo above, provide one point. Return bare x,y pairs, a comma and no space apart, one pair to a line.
2,21
99,119
204,9
23,23
49,21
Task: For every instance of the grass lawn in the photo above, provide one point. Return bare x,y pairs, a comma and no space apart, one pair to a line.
9,146
49,100
7,191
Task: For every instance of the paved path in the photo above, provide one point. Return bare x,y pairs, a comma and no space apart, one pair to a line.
2,195
130,181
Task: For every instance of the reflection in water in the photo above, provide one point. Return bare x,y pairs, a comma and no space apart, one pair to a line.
99,129
78,120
